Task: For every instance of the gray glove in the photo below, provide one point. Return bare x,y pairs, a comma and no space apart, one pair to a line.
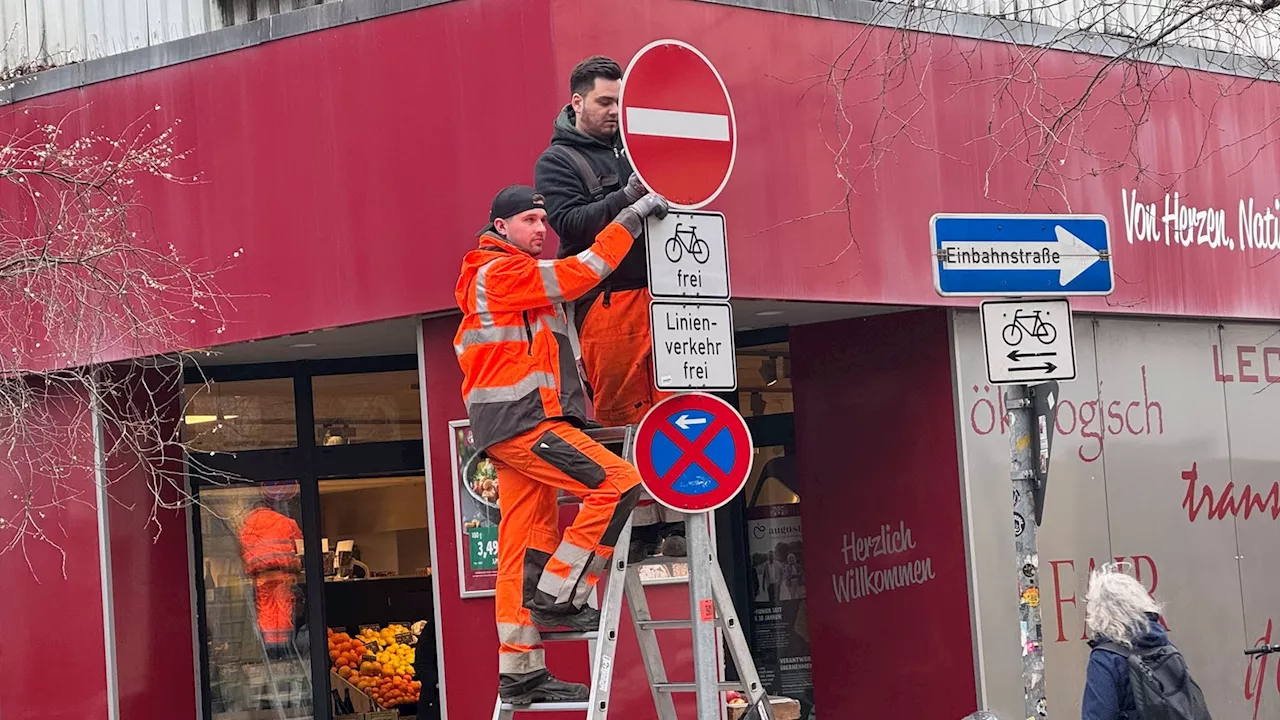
635,189
632,217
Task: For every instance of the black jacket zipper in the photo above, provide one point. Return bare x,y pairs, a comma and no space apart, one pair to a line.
528,330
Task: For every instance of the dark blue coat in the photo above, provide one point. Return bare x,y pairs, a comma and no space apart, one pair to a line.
1107,695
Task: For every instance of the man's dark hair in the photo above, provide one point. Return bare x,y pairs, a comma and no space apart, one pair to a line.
583,78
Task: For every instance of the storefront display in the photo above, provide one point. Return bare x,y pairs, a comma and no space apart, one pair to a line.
476,508
378,663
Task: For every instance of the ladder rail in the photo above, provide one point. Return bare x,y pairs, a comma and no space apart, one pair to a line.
650,652
604,649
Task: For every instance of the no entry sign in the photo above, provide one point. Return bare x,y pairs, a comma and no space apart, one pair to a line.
677,123
693,452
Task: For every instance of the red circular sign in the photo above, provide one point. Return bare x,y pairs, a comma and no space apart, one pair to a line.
693,452
677,123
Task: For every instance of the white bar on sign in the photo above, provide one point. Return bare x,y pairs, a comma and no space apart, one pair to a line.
677,124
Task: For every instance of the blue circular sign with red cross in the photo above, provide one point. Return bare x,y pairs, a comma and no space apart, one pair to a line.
693,452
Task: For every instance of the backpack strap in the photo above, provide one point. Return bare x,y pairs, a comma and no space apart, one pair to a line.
585,172
1114,647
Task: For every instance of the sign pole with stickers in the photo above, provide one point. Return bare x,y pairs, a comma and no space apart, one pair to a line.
1030,346
693,450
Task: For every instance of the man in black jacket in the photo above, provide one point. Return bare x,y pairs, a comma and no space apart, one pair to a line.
586,179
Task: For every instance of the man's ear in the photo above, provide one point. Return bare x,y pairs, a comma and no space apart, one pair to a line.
500,225
576,102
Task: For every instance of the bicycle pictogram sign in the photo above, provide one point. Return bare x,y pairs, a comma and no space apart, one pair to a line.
693,452
1013,333
1028,341
686,240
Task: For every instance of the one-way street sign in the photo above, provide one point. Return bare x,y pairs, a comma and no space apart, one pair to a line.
1021,255
1028,341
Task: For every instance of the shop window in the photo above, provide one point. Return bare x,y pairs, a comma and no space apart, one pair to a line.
764,380
367,407
377,565
240,415
385,522
254,608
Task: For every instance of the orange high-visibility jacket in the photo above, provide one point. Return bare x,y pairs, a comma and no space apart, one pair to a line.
517,344
267,542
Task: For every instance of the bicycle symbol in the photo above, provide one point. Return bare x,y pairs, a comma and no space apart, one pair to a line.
687,241
1013,333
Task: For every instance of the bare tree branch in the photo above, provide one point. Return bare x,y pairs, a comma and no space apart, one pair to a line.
88,285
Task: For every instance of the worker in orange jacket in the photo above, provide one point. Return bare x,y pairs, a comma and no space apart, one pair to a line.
518,349
269,552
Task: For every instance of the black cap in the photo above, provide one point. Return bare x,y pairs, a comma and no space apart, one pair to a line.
513,200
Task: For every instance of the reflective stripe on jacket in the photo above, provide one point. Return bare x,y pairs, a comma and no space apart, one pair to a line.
516,344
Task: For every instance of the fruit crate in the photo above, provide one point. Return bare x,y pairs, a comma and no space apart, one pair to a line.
363,704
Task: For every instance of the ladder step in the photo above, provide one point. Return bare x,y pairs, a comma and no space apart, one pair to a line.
665,624
688,687
567,635
659,560
548,707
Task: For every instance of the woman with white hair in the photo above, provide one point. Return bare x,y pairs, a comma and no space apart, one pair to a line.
1124,621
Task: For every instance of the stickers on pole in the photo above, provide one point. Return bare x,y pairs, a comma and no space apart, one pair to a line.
693,452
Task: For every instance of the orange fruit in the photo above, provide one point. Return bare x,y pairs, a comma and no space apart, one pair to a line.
344,672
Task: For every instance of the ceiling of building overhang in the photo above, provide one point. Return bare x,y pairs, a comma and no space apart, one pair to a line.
399,336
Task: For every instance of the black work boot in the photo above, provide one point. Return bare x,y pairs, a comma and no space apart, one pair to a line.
549,689
585,620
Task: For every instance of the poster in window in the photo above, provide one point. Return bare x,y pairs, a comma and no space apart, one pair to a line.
475,499
780,628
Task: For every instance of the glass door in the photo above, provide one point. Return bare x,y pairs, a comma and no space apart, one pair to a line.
257,635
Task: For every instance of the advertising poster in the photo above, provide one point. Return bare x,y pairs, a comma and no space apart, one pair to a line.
780,627
475,498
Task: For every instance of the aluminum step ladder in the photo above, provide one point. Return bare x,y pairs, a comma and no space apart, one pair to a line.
711,608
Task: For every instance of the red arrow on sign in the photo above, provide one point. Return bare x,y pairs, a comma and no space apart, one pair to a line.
677,123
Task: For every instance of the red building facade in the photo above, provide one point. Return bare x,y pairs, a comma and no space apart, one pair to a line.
346,169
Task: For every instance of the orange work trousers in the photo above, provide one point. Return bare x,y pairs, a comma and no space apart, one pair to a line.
274,599
617,357
537,569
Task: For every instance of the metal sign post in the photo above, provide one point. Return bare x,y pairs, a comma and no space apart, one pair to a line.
1017,402
702,610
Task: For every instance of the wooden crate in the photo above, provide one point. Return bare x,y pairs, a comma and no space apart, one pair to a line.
783,709
363,703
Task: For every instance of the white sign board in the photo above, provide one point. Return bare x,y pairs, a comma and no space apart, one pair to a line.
1028,341
688,255
693,346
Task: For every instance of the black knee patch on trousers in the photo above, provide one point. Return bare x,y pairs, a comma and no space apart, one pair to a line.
626,504
561,455
534,562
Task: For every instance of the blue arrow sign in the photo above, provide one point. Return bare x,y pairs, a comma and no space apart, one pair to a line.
1021,255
